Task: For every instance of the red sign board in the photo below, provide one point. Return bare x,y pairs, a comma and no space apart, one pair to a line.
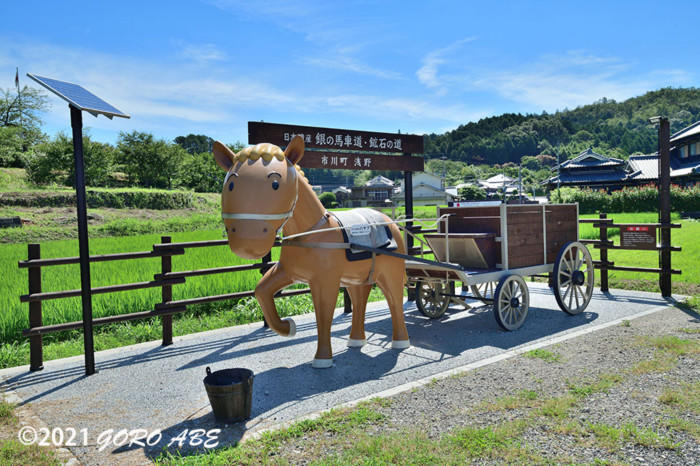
334,139
638,236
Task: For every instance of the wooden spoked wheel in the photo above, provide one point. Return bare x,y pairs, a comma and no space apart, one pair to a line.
431,299
511,302
483,290
573,278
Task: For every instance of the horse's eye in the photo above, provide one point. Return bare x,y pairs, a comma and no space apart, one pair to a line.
275,185
230,186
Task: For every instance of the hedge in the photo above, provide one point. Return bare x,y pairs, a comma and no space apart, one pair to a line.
634,199
118,199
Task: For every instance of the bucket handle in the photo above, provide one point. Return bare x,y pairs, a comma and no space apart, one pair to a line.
208,370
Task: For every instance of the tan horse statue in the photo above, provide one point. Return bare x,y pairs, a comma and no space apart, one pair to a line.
264,191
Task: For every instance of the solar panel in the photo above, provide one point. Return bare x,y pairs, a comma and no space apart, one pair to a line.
79,97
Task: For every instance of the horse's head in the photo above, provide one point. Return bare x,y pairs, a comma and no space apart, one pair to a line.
259,194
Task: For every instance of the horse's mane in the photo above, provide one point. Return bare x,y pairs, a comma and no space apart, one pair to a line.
265,151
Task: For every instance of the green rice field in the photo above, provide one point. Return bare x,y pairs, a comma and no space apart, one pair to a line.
14,317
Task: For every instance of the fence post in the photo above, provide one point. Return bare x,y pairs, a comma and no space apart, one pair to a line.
665,207
603,254
36,352
347,304
263,270
166,266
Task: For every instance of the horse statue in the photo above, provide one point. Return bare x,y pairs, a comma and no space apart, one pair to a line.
264,192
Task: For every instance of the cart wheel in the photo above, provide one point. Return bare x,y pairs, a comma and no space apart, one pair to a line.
430,298
511,302
573,278
483,290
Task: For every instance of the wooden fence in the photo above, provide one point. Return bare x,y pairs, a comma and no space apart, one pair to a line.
604,245
164,280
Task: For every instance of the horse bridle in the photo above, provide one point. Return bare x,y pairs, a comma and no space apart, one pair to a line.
251,216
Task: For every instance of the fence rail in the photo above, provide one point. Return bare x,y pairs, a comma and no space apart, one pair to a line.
165,280
604,245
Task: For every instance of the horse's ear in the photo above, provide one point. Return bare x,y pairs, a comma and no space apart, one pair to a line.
295,150
223,156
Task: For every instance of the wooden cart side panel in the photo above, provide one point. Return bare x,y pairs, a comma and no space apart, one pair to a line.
562,227
525,236
473,220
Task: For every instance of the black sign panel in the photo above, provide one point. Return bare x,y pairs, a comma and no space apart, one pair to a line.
334,139
638,236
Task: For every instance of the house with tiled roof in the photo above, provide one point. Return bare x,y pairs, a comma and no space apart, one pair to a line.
590,170
685,160
597,171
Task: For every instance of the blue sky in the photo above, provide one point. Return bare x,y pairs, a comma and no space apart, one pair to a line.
208,67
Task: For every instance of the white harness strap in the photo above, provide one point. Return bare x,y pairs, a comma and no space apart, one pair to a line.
245,216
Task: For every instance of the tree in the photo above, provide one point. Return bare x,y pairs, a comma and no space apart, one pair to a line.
11,154
195,143
22,111
471,193
201,173
149,162
53,162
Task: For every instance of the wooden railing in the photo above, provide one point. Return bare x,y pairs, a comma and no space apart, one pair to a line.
604,245
164,280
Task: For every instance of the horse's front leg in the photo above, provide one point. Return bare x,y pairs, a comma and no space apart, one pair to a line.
324,292
274,280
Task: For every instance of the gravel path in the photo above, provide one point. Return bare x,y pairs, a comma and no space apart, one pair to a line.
613,378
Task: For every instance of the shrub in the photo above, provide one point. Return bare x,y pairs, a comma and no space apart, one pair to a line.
327,199
117,199
472,193
629,199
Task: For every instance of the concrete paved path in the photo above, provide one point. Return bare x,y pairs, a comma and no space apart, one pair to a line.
151,387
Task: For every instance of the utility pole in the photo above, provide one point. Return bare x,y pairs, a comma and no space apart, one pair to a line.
19,103
520,184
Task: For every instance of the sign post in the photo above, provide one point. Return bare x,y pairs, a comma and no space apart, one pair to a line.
664,205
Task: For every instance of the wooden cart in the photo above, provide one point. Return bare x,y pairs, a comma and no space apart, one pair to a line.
491,249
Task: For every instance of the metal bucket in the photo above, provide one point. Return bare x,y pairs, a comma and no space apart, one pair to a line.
230,393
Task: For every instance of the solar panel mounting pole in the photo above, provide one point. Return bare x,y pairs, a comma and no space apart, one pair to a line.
80,99
76,120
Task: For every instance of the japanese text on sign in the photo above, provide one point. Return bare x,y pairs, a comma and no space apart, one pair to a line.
346,141
638,236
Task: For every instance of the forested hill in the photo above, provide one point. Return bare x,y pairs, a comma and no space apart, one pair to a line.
616,129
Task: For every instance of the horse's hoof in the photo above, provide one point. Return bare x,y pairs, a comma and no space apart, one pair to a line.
292,327
353,343
322,363
400,344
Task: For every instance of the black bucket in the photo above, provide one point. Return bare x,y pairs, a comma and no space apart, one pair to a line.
230,393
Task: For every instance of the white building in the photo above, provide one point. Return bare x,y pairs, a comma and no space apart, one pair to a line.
428,189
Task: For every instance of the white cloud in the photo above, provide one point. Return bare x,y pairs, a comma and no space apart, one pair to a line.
203,53
400,109
569,80
428,73
352,65
150,90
